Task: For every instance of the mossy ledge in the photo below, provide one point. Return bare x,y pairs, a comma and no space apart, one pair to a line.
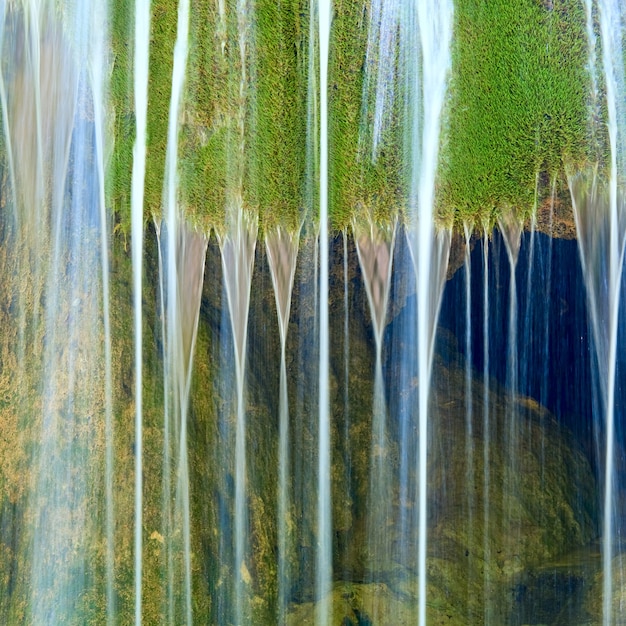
519,113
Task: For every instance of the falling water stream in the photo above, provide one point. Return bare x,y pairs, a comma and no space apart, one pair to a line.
282,254
469,401
433,22
237,248
486,428
601,225
369,463
324,530
375,248
182,286
511,231
53,97
142,46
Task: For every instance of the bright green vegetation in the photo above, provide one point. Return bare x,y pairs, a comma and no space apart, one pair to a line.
162,40
359,184
519,104
278,155
241,143
210,166
121,93
518,110
246,143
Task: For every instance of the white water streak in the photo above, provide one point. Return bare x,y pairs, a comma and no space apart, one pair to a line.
324,529
6,129
601,226
612,17
486,429
375,246
469,406
431,276
141,55
511,229
97,56
434,24
172,217
382,39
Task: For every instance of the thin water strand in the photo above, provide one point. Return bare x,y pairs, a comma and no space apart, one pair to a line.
324,527
511,231
434,24
379,73
612,24
431,276
141,55
282,254
486,430
172,216
97,53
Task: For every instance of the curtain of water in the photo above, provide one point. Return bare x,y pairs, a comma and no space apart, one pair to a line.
184,269
431,276
98,15
282,254
379,82
601,227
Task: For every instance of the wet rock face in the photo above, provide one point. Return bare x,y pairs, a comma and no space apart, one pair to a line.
543,597
488,522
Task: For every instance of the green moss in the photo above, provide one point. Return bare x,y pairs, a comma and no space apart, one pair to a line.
209,120
162,40
359,182
245,143
278,159
518,107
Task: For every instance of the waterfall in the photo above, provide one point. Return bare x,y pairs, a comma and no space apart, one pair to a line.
600,221
382,41
56,232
